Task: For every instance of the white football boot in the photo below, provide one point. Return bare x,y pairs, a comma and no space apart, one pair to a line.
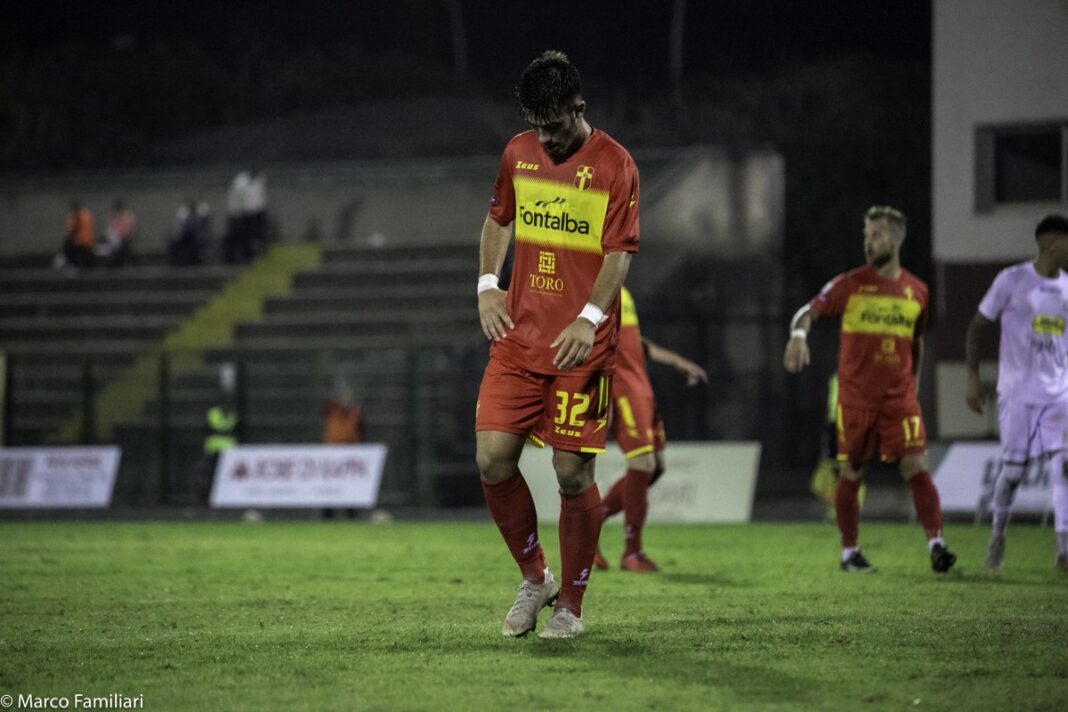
530,598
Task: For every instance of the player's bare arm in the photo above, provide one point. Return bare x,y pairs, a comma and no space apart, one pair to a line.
973,394
797,356
575,342
917,360
493,302
694,374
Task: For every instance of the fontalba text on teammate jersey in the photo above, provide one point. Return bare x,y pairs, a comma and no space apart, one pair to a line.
881,318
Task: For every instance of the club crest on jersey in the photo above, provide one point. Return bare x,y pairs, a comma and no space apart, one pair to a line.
583,177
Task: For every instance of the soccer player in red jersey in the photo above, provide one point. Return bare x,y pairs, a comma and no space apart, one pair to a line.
639,432
884,312
571,193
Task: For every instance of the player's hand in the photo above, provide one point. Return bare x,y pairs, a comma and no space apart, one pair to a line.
694,374
493,314
974,394
575,342
796,357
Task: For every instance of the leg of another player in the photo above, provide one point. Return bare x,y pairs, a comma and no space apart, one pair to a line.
636,483
509,499
1010,474
580,525
1059,479
928,506
630,494
847,514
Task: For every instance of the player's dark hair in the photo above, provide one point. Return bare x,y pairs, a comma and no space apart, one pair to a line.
1054,222
895,217
548,84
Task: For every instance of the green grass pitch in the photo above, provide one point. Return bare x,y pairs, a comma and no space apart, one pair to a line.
355,616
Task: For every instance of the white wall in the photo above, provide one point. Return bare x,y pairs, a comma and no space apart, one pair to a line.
995,61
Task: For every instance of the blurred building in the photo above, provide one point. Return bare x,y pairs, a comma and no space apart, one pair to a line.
1000,162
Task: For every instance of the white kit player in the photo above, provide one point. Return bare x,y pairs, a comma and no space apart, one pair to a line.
1030,300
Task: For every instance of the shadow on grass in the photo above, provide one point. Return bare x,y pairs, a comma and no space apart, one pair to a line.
701,579
714,669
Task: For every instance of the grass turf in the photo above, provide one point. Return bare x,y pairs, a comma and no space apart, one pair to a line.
357,616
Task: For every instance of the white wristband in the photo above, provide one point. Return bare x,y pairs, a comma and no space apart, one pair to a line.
799,334
592,313
487,282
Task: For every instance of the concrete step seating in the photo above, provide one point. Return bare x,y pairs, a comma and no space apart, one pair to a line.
359,314
148,302
162,278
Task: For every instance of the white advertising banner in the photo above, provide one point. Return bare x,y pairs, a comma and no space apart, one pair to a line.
59,477
965,480
298,476
703,482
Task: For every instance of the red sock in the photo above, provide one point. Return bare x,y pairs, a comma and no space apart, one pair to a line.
512,508
928,505
847,508
635,507
612,503
580,526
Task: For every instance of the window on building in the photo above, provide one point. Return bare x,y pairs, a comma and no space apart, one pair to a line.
1021,164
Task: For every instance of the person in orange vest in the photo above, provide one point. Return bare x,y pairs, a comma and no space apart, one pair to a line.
342,418
78,239
342,425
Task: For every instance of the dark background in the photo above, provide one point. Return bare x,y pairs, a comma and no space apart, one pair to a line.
841,88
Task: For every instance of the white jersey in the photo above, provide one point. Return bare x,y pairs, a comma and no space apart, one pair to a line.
1033,311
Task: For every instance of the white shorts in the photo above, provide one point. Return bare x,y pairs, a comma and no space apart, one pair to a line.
1029,431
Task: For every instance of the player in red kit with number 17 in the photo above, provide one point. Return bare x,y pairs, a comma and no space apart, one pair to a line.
571,193
884,313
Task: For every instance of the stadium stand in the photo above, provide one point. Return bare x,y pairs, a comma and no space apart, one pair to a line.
397,323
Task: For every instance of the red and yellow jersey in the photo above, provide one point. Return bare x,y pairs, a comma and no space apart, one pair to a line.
880,319
567,217
630,379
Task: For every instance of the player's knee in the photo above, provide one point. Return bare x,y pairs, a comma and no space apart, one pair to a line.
493,467
912,465
574,473
645,463
1012,471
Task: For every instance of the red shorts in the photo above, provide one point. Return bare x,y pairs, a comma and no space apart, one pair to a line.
568,412
897,426
636,424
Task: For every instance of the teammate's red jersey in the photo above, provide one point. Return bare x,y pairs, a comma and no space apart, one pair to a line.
567,217
880,319
631,378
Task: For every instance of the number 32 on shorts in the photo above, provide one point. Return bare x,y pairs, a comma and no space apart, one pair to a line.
571,408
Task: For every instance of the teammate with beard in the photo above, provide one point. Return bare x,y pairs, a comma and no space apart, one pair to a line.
883,310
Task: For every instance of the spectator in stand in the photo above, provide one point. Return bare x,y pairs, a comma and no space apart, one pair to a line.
119,236
246,205
256,210
78,240
342,425
186,242
203,228
342,418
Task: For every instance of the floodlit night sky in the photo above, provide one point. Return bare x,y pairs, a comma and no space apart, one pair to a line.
616,40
